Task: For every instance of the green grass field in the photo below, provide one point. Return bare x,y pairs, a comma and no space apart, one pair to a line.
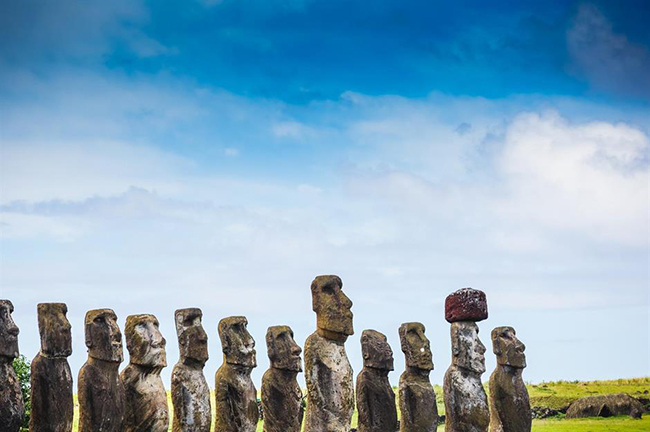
557,395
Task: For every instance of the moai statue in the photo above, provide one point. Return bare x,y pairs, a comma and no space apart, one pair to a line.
146,398
417,399
12,408
190,391
235,394
99,389
328,374
375,397
51,378
281,394
465,399
509,403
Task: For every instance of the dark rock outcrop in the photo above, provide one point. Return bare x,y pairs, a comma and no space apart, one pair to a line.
605,406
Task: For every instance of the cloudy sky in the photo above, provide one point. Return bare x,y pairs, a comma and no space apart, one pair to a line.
221,154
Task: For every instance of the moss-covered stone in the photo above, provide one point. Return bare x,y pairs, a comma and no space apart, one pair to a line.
281,394
146,399
375,396
417,397
190,391
509,403
51,378
235,394
466,405
100,391
12,407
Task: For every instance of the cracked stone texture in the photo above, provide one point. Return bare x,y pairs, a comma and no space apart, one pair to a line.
466,405
509,403
417,398
190,391
375,396
51,378
236,397
99,389
146,398
281,394
328,373
466,304
12,408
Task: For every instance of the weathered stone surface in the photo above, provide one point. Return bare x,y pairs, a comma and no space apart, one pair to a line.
100,392
146,398
375,397
12,408
190,392
466,403
605,406
236,397
509,403
281,394
51,378
328,373
332,307
466,304
417,399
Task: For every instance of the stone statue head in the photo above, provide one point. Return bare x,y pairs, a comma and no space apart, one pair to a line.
237,343
467,350
103,336
508,349
284,352
376,351
144,341
332,306
192,338
55,329
415,346
8,331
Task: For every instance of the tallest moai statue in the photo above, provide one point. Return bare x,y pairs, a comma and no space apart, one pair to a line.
330,392
466,403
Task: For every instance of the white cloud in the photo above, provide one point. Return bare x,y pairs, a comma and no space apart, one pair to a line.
69,170
590,178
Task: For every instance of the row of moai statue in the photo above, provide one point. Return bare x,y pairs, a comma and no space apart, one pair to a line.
135,399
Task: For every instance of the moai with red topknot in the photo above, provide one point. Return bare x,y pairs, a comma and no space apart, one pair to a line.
466,405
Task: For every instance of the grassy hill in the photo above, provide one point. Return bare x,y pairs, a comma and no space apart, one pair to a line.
559,395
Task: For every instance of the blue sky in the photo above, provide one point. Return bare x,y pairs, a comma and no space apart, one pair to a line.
221,154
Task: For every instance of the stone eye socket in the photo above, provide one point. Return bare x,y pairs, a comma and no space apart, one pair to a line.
99,320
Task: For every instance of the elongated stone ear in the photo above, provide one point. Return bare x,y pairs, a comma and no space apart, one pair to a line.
455,346
88,336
